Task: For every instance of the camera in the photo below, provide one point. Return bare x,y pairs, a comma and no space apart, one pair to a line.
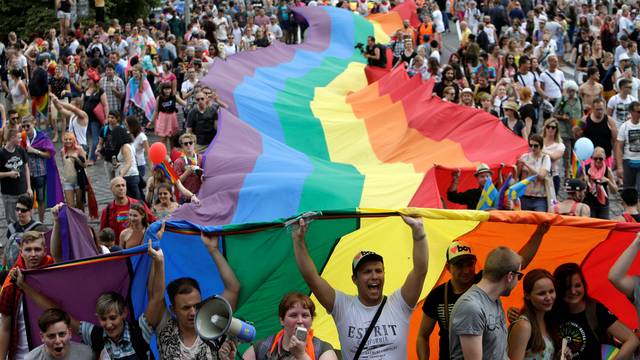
360,46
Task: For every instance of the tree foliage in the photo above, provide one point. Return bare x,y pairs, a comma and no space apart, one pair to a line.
27,17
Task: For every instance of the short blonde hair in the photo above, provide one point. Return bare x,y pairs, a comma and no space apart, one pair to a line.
186,136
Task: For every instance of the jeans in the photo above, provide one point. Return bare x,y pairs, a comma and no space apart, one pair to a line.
94,128
133,187
631,175
556,184
10,202
534,203
142,169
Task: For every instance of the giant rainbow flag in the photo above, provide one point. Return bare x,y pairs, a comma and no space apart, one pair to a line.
306,132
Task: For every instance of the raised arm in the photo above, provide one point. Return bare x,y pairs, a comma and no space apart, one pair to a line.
618,275
320,287
231,283
41,300
530,248
156,307
412,286
55,245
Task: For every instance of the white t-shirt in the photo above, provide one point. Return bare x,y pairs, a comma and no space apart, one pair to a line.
221,27
138,145
529,80
438,21
620,108
624,24
630,134
555,164
388,340
551,89
23,345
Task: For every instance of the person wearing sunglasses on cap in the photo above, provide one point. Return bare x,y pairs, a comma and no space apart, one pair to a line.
461,264
354,314
535,162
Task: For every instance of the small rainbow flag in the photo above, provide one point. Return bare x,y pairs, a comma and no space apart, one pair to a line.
168,171
609,351
576,166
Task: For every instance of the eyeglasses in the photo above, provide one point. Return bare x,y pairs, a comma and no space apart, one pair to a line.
598,158
534,146
22,210
187,143
518,274
551,127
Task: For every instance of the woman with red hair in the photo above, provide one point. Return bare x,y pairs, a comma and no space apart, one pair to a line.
296,311
73,164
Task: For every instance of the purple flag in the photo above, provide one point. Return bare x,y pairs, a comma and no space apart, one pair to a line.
54,193
76,239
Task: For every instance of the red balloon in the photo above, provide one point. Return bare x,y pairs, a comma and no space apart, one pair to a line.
157,153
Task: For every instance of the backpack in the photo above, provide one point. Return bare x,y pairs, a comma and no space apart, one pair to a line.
11,249
140,346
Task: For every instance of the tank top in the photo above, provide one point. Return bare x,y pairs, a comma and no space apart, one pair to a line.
599,133
69,173
78,130
65,6
17,96
133,170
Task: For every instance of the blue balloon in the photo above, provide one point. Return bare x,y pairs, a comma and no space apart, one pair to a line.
583,148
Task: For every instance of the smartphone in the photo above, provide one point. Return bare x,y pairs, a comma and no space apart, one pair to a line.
301,333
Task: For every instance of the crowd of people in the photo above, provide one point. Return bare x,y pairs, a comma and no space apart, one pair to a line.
101,90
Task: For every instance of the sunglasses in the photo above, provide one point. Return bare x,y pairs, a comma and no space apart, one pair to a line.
14,118
22,210
187,143
518,274
25,126
598,158
199,99
551,127
534,146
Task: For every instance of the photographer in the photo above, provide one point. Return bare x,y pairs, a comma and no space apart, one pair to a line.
375,53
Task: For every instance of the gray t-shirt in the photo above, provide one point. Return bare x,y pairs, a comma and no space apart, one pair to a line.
77,351
476,314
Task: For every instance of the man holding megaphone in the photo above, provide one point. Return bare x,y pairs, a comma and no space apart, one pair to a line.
177,336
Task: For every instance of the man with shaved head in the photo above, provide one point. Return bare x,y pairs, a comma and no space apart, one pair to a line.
116,214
